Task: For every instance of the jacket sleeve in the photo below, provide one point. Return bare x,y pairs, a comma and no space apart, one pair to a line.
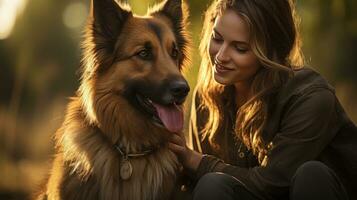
306,128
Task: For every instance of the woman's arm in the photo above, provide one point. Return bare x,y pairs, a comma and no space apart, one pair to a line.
306,129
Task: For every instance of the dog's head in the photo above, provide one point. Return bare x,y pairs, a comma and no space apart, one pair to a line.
135,61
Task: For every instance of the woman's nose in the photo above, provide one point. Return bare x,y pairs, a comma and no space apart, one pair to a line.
222,54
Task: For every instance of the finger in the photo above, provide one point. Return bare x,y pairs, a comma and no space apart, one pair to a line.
182,136
177,140
176,148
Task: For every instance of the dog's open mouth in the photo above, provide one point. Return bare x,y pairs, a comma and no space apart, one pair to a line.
168,116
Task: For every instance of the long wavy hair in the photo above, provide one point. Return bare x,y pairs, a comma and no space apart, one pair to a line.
275,41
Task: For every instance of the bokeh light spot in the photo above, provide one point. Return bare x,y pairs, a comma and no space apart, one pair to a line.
75,15
9,11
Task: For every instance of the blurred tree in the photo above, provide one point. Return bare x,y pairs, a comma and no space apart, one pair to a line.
330,37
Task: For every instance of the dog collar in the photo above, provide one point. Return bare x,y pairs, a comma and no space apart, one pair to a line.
126,168
127,155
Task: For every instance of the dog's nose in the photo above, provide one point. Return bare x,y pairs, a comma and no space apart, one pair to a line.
179,90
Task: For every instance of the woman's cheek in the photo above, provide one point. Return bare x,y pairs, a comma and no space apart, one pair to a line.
213,48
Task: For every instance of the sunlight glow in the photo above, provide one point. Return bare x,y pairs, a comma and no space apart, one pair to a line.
9,11
75,15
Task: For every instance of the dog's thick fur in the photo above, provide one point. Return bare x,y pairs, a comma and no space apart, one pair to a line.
86,164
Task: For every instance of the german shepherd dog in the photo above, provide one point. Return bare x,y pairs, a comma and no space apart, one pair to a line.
113,142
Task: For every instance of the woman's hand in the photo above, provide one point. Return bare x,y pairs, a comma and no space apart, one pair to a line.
190,159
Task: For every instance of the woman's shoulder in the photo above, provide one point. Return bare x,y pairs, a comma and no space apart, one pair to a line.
304,80
306,100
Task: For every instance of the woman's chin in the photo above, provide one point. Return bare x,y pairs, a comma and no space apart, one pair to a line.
221,79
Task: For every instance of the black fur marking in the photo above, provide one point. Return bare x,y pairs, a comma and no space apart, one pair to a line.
156,29
173,10
108,20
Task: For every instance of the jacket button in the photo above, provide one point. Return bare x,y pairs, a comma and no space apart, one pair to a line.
183,188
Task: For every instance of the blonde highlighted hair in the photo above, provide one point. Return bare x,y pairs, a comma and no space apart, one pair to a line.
276,43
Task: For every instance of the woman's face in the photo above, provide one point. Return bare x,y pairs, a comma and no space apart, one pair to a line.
230,52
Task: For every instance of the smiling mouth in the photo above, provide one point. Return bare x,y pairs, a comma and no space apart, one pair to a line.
165,116
221,68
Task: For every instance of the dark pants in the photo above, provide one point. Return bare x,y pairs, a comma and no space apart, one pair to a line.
313,180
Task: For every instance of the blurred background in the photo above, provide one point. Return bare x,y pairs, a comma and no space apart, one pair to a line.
40,56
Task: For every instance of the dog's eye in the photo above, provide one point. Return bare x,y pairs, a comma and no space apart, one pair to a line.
145,54
174,52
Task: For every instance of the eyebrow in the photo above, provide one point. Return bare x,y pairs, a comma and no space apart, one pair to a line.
236,42
156,29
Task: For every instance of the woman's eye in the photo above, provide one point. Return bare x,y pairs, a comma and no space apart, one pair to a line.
241,49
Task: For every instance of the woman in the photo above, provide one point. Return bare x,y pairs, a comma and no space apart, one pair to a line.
262,125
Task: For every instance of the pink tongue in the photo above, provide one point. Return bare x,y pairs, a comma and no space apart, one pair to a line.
171,116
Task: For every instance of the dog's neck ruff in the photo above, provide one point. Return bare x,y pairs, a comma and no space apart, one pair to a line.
126,168
127,155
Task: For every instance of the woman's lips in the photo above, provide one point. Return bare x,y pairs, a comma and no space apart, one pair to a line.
221,69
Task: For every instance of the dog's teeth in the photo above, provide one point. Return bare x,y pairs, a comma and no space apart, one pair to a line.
149,100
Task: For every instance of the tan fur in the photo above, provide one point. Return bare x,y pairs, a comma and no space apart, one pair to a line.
86,164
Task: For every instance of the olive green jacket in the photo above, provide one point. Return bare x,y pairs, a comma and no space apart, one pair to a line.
306,123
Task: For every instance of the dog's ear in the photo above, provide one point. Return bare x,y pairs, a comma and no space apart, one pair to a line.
177,12
173,9
108,17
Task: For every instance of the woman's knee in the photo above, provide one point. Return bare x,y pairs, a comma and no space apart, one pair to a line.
314,180
313,171
213,186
